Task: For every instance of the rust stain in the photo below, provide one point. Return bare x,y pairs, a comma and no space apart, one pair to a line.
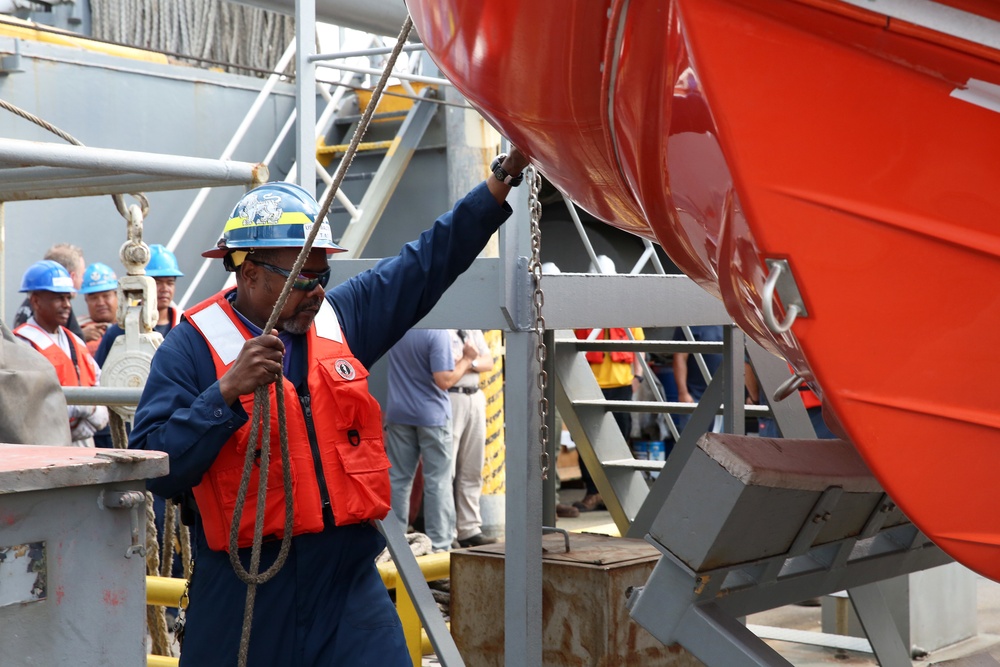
60,592
8,518
114,598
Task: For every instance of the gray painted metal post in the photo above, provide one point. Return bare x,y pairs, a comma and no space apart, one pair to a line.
879,626
522,569
549,485
522,566
716,638
305,94
733,411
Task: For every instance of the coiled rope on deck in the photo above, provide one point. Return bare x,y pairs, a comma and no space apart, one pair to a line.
260,429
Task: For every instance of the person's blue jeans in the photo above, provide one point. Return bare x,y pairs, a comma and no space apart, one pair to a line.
406,446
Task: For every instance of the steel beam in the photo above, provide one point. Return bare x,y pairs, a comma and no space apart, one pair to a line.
523,561
305,94
102,395
880,628
733,375
423,601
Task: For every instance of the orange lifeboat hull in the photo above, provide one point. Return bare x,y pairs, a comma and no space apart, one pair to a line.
861,149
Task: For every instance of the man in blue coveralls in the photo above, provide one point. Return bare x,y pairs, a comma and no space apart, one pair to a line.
327,605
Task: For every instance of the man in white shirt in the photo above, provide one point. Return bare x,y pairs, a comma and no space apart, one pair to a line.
468,414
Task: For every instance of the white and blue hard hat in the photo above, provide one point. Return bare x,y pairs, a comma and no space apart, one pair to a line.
98,277
49,276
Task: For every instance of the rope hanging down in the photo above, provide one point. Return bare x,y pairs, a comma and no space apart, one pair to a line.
262,405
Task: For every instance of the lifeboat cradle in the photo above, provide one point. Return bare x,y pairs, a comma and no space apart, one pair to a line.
745,524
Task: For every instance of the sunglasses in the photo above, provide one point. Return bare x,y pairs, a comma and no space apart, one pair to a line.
306,281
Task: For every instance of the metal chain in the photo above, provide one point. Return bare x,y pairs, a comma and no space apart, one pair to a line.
538,297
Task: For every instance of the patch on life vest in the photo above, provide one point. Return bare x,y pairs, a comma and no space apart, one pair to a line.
344,369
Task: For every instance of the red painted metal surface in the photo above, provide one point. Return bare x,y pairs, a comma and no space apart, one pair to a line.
809,130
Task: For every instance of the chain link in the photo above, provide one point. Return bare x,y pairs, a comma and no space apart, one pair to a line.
538,298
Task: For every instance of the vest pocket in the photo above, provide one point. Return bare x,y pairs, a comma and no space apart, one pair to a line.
360,483
354,460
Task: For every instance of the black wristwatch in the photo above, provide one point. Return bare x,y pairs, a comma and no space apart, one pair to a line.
501,174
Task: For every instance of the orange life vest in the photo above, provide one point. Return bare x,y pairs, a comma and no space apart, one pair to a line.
80,374
337,458
595,357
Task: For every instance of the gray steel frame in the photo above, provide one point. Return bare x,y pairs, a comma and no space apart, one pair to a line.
34,170
388,175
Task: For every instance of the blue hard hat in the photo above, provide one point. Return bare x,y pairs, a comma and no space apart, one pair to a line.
274,215
98,277
47,275
162,263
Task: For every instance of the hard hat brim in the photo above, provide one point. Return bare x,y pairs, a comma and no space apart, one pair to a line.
219,253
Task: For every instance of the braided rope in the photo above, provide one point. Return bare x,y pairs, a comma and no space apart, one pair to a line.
169,539
119,436
262,404
156,620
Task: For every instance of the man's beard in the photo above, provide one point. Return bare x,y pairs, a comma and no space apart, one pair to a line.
297,323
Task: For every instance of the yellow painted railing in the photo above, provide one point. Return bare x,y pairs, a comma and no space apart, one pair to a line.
167,592
434,567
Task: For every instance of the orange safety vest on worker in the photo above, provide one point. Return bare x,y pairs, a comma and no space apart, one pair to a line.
596,357
73,370
334,431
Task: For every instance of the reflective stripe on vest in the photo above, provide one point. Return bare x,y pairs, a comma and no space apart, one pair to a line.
348,425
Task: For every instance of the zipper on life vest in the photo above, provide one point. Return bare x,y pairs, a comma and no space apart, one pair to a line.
324,494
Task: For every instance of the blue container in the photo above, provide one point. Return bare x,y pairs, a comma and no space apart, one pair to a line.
640,450
657,452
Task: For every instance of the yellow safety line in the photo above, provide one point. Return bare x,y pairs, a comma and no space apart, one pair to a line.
20,29
494,478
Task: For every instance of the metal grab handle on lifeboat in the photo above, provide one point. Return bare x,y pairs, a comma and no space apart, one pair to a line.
780,278
787,388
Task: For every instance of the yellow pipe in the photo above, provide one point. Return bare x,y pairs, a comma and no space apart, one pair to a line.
335,149
410,621
165,591
325,154
433,566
